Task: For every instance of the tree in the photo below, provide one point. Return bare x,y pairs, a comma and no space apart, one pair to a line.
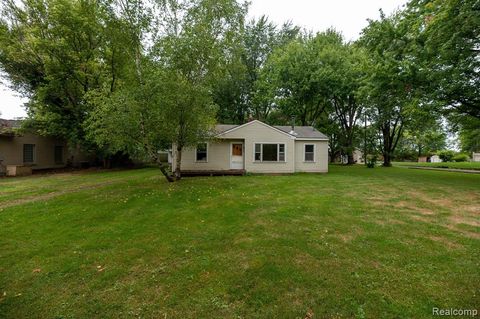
194,47
388,90
315,75
55,52
446,43
469,135
236,88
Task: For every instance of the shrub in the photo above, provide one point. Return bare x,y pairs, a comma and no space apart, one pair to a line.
461,157
446,155
371,161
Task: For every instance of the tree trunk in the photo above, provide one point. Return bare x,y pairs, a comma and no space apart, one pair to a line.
178,161
387,159
350,158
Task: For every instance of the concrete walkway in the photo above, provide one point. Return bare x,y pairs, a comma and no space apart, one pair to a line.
468,171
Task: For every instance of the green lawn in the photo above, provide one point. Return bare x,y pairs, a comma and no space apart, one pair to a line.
454,165
356,242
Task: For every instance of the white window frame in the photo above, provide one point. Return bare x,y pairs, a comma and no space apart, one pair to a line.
305,152
34,153
206,151
278,152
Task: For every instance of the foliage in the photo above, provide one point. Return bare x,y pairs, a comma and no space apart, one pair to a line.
469,134
237,90
57,51
446,46
446,155
371,161
461,157
388,89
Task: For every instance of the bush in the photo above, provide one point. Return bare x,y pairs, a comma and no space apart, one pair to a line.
446,155
371,161
461,157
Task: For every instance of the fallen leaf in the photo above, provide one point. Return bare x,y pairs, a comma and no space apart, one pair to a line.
309,314
36,270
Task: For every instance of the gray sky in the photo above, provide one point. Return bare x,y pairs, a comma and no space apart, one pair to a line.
347,16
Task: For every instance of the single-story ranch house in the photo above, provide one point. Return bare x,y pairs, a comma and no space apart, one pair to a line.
22,152
257,147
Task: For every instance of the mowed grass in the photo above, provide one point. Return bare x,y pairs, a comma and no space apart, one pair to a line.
353,243
453,165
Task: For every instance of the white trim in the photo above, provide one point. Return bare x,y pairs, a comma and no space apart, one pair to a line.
205,161
243,154
278,152
304,152
256,121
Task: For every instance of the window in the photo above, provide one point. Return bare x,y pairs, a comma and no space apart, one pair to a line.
58,154
201,152
269,152
258,152
28,153
309,153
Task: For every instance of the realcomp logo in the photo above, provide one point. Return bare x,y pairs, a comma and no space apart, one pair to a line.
455,312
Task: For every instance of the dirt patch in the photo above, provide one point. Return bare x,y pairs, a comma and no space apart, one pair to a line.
444,241
51,195
464,220
391,221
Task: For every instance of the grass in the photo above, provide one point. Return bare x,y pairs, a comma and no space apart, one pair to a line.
354,243
453,165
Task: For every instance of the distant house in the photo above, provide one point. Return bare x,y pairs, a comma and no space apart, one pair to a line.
476,157
429,159
435,159
31,151
257,147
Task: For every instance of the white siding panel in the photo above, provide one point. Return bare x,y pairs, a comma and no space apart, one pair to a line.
320,165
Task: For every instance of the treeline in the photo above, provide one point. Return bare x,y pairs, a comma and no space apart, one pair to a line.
138,76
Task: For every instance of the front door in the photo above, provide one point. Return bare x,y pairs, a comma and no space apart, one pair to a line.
236,158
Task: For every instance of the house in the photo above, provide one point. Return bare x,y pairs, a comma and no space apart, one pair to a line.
22,152
257,147
435,159
476,157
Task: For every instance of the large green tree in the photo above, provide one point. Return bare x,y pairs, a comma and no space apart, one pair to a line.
55,52
236,89
389,89
316,75
167,98
446,43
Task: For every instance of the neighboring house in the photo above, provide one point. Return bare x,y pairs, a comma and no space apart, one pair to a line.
257,147
31,150
435,159
357,156
429,159
476,157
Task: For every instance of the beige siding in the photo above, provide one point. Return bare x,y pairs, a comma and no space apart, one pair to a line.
11,150
218,157
219,150
321,157
257,132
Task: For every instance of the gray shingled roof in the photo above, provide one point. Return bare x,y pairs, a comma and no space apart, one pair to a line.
303,131
221,128
300,131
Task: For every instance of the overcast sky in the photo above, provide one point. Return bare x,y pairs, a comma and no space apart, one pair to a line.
347,16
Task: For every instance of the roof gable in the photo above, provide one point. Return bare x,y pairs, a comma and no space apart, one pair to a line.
233,129
301,132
